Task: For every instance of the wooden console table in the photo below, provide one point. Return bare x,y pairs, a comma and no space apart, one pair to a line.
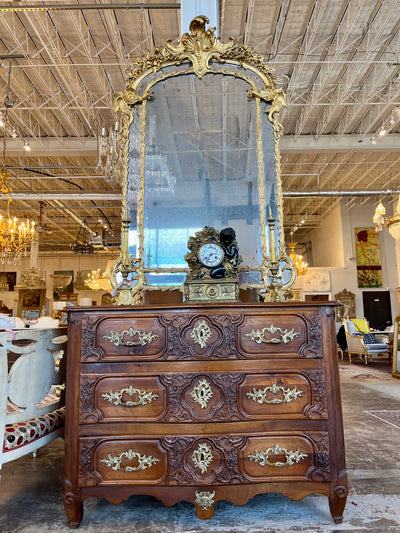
203,403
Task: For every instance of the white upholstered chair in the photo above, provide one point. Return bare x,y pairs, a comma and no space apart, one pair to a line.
367,345
31,389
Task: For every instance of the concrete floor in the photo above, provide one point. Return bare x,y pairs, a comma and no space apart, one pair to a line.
31,488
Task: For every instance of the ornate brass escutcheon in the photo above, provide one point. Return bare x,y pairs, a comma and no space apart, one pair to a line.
143,397
201,334
262,456
141,338
204,499
202,456
202,393
285,335
289,395
144,461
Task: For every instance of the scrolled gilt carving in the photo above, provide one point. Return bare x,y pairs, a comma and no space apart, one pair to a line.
262,457
143,397
200,46
202,456
285,335
143,461
202,393
201,333
288,395
142,337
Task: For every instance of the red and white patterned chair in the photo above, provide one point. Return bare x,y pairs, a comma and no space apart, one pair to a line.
31,389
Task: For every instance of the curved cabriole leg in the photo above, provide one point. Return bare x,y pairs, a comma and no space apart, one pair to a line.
73,508
337,502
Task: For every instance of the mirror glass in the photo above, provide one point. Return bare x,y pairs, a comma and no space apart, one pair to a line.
208,157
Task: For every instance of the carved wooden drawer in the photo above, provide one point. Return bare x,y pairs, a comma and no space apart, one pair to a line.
188,396
119,461
287,335
114,339
189,460
285,456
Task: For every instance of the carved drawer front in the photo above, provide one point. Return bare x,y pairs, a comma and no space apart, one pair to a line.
290,457
122,398
290,335
125,339
292,395
112,461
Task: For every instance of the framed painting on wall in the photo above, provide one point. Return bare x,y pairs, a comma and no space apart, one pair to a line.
60,291
31,302
368,258
8,281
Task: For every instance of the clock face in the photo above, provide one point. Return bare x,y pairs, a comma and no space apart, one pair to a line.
211,254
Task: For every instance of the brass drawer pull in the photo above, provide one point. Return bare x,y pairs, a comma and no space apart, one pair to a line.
144,461
285,335
141,338
289,395
144,397
262,456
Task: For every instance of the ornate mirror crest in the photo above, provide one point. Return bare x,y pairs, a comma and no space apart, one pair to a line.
199,145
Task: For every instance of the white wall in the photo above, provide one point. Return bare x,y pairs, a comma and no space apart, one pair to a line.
327,241
344,276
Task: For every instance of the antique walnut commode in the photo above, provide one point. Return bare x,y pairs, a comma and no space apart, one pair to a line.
202,400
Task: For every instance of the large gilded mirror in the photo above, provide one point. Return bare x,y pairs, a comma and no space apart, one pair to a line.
199,146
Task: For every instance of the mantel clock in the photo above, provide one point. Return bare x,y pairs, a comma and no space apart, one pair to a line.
213,263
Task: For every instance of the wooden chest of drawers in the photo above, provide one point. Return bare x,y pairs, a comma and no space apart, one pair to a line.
203,403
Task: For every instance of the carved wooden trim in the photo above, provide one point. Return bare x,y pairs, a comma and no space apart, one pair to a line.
312,348
226,447
174,324
321,471
90,352
224,348
88,412
318,407
87,477
224,386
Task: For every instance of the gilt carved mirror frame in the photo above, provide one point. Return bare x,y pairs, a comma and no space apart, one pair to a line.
198,56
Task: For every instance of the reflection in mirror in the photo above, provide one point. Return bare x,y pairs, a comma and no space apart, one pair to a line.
201,168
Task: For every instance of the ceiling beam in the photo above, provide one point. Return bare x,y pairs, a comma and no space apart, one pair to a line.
87,146
118,197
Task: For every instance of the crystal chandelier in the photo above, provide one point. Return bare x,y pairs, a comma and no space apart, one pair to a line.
109,153
99,281
15,237
301,266
392,223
